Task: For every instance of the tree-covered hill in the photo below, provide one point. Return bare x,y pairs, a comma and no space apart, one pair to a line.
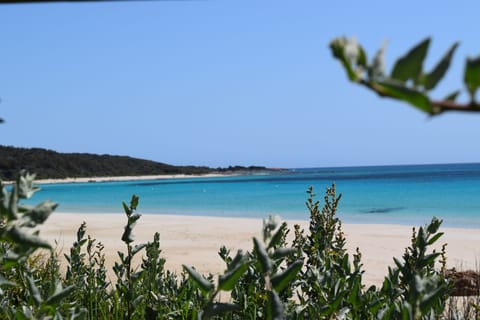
48,164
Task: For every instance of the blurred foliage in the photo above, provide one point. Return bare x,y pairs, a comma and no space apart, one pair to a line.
408,81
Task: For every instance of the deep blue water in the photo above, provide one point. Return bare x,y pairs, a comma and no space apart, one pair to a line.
381,194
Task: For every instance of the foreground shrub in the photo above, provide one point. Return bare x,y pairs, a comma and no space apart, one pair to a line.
314,277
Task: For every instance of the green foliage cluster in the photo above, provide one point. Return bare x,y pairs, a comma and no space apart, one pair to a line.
408,81
313,277
49,164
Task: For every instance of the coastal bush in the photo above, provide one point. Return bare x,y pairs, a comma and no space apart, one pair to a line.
313,277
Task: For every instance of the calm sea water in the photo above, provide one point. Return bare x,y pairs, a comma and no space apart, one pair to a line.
382,194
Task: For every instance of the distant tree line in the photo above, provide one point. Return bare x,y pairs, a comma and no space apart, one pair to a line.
48,164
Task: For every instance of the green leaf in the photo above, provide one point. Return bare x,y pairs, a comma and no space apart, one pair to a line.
25,185
275,307
338,50
239,257
432,78
355,291
5,283
281,280
283,252
377,69
205,285
277,237
431,298
41,212
472,76
435,238
127,235
429,259
362,57
23,238
126,209
134,202
34,292
265,262
137,248
452,96
410,65
229,279
434,225
398,91
219,308
59,295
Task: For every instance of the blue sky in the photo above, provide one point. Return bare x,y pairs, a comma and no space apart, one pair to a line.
220,83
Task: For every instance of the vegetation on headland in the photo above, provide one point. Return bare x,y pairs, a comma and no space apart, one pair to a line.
313,277
50,164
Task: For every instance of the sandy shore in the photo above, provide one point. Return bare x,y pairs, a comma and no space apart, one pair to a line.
195,240
128,178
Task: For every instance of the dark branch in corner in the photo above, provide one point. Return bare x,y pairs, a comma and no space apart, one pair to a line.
439,106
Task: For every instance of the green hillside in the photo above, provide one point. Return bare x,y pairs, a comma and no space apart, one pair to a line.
48,164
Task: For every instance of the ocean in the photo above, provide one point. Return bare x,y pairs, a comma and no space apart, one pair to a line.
407,194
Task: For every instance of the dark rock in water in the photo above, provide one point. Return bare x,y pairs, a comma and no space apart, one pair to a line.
381,210
465,283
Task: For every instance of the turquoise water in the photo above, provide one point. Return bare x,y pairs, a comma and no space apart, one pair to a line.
383,194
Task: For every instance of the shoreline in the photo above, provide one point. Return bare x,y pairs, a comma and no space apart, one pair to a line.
195,240
128,178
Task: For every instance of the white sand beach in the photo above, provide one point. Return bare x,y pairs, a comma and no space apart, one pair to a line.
128,178
195,240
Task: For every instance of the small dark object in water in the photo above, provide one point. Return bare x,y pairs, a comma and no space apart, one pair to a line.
465,283
381,210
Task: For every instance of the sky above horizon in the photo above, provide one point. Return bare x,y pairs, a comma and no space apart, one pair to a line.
221,83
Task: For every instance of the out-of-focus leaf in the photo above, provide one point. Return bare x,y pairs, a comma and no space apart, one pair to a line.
283,252
41,212
265,262
34,292
23,238
362,57
137,248
338,50
218,309
277,237
432,78
127,235
239,257
59,295
25,185
134,202
5,283
281,280
133,218
435,238
434,225
137,301
410,65
205,285
126,209
229,279
377,70
452,96
472,76
431,298
398,91
275,307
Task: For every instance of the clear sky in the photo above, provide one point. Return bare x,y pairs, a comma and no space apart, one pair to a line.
220,83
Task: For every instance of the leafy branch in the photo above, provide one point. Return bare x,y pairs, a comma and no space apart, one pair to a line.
408,82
